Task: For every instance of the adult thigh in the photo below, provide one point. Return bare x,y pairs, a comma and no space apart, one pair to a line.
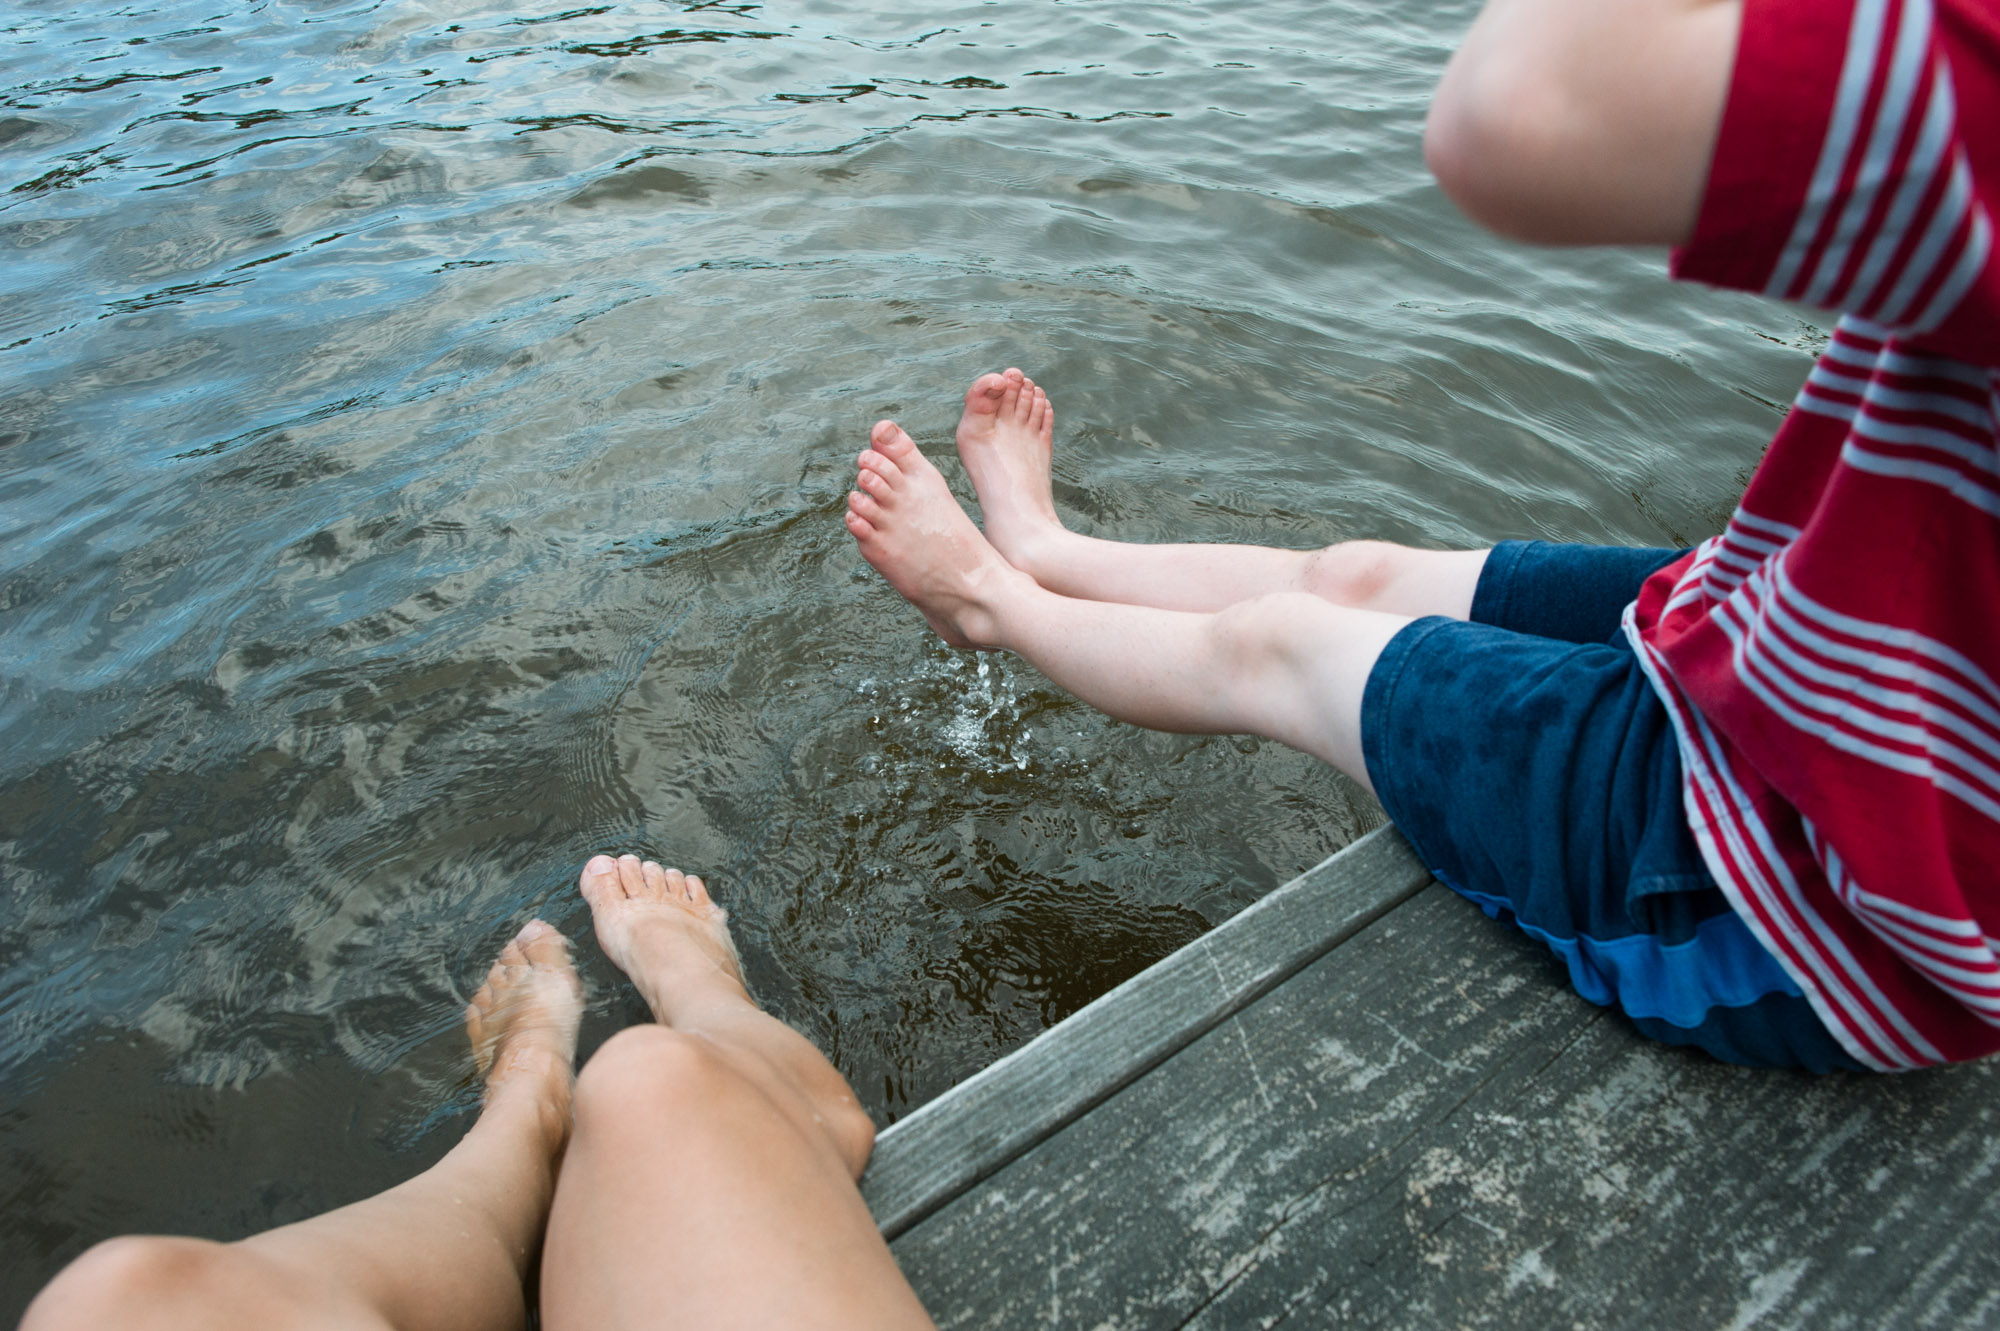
688,1197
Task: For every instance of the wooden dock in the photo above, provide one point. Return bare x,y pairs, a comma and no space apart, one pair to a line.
1361,1102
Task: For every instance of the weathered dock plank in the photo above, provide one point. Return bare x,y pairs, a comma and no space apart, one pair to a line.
1004,1110
1422,1128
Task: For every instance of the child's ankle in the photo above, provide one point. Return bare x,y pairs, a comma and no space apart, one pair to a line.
995,600
1040,550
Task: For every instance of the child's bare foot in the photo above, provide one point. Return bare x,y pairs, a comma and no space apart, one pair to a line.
913,531
522,1024
659,927
1006,438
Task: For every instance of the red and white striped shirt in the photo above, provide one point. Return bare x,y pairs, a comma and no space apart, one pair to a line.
1831,661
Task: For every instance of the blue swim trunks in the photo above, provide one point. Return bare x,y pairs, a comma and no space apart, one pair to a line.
1534,769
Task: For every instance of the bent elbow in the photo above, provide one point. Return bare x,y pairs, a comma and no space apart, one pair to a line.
1491,141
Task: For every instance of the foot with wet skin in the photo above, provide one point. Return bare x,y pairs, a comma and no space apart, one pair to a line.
1006,439
659,926
908,525
522,1024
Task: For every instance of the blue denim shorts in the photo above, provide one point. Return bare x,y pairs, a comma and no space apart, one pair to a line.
1528,760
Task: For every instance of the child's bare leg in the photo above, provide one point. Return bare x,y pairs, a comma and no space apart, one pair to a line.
1290,666
711,1178
448,1250
1006,439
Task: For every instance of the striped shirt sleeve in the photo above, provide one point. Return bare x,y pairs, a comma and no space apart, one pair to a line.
1846,174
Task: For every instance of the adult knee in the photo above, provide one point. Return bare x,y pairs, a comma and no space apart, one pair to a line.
652,1069
1354,573
142,1282
645,1072
852,1132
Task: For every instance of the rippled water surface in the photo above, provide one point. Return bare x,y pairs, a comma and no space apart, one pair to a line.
423,434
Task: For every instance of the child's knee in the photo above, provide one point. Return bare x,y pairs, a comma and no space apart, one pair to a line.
1267,635
1354,573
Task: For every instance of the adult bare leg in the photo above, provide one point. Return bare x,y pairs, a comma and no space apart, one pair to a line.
1290,666
711,1178
447,1251
1006,440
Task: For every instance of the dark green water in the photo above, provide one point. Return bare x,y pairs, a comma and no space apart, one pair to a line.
423,435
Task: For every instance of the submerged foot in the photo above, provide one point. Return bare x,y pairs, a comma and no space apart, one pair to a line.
660,927
912,530
522,1024
1006,438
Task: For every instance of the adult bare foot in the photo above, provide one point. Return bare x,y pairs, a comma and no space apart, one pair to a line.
664,932
659,926
1006,439
522,1024
912,530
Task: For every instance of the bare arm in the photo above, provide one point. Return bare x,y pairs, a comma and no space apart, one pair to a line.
1585,121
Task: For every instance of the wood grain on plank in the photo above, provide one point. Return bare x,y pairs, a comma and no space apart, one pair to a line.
990,1118
1425,1128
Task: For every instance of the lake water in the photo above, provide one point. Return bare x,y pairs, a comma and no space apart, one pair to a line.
424,429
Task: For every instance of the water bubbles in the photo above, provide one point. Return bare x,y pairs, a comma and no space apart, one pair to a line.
984,730
953,712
